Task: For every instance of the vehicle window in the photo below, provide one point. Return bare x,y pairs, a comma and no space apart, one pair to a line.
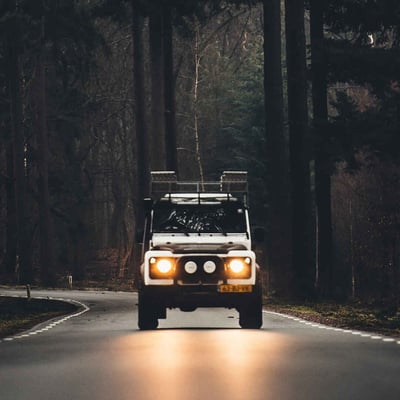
199,218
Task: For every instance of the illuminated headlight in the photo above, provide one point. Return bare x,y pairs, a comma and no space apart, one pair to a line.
239,267
161,267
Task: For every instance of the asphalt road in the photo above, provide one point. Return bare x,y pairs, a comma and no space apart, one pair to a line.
99,354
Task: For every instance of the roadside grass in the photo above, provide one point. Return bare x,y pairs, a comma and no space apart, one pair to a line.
20,314
371,318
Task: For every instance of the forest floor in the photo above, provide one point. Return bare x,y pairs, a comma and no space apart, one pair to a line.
19,314
378,318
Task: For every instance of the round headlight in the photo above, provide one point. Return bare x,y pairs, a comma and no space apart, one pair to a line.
236,266
164,266
209,267
190,267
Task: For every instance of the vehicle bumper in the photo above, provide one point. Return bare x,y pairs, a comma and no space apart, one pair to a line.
191,297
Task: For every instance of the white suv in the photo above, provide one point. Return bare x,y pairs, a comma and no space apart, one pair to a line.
197,250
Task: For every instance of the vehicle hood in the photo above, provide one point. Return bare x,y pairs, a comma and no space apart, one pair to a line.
200,243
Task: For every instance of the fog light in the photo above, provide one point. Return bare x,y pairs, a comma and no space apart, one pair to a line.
209,267
190,267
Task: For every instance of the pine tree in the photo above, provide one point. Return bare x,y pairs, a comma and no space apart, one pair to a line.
302,259
278,249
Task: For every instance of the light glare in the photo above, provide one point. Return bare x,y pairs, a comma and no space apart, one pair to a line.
164,266
236,266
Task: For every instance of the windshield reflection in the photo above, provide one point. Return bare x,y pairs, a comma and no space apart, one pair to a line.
199,218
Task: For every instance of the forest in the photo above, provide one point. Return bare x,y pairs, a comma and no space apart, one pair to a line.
304,95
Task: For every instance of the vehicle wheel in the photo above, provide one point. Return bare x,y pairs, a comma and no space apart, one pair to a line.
250,314
147,314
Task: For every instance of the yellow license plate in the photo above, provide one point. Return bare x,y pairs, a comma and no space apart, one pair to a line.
235,288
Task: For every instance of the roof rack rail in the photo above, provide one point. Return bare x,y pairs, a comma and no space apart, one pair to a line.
163,181
231,182
234,181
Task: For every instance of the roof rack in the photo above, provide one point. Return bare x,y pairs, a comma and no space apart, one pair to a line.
230,183
163,181
234,181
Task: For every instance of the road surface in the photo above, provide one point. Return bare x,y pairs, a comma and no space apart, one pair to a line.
98,353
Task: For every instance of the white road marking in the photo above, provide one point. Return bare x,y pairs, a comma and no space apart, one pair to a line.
86,308
53,324
384,339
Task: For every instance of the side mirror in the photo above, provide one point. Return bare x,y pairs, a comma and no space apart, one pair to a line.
259,234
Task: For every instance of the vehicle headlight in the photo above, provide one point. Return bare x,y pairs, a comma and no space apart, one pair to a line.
161,267
239,267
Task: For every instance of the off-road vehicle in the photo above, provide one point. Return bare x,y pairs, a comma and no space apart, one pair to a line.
197,249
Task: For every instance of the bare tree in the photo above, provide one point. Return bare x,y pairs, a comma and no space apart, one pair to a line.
142,150
169,91
322,157
157,122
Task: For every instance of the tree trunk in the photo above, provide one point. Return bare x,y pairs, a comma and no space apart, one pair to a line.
169,92
278,243
141,156
142,150
322,157
47,264
302,263
9,260
197,59
24,264
157,90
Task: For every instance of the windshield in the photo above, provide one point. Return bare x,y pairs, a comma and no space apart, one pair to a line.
199,218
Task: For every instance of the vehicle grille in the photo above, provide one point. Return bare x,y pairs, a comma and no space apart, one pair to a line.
200,276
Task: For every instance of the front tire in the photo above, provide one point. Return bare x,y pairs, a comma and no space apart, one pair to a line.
147,314
250,314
